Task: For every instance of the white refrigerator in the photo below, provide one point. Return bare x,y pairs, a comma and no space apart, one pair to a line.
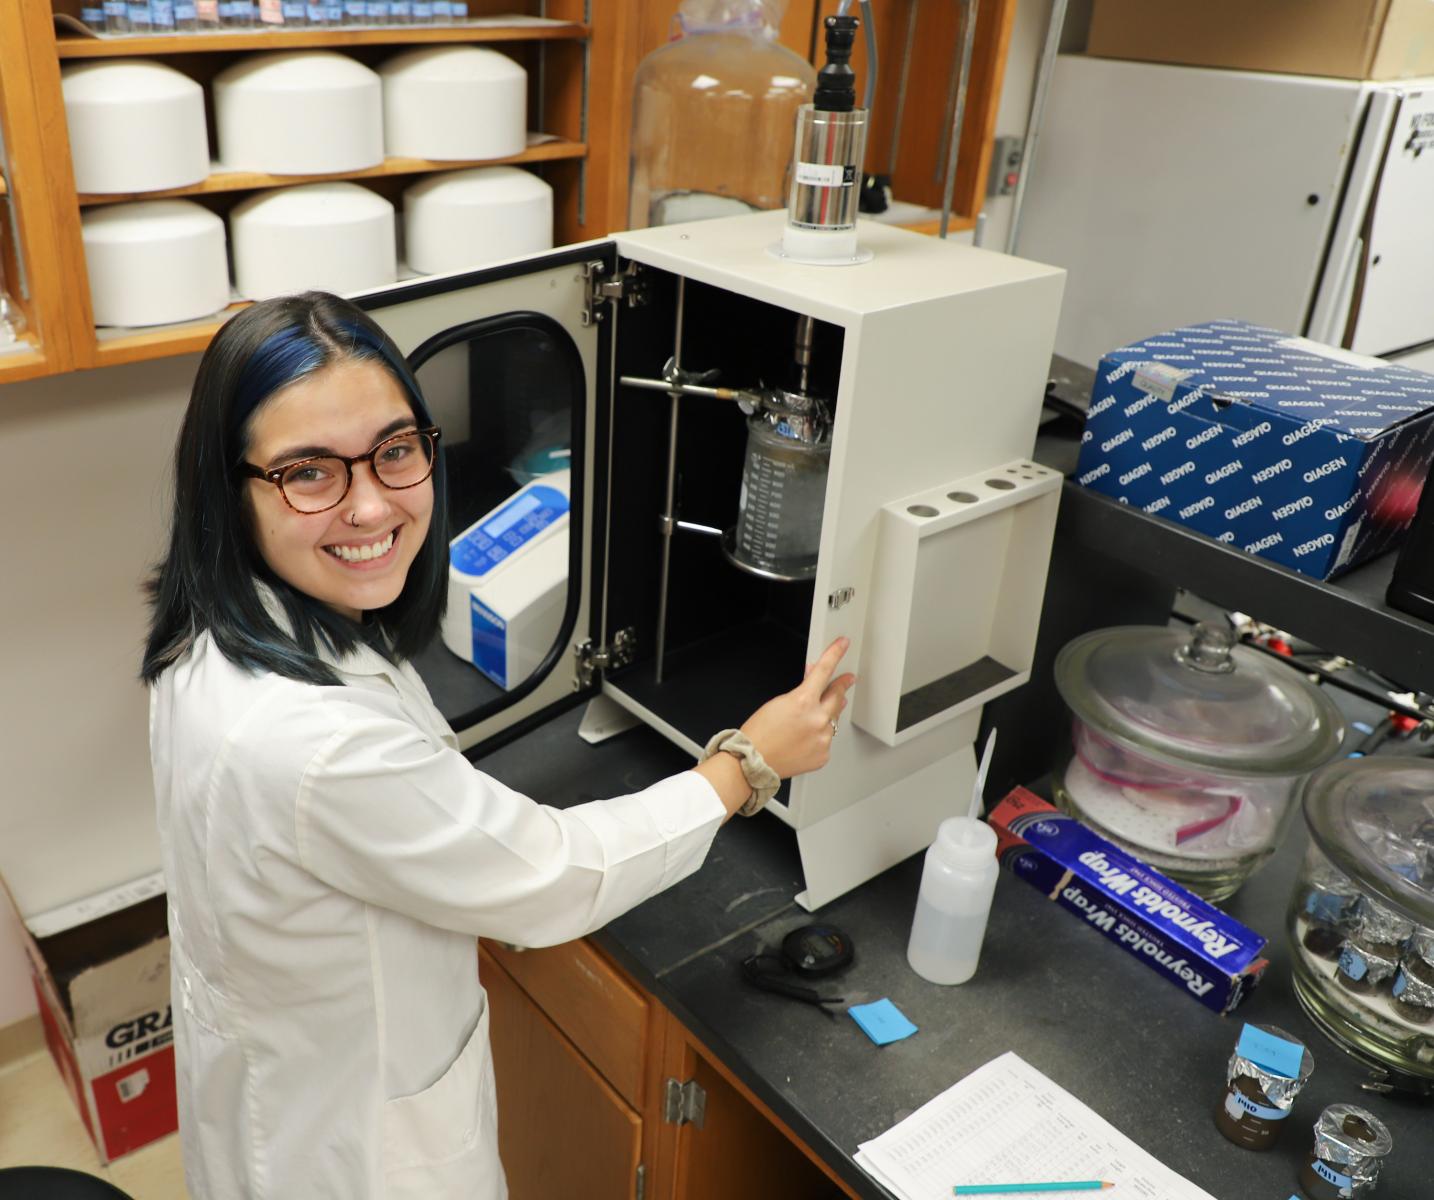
1174,195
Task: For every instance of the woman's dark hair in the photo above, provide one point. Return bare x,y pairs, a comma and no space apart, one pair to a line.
210,578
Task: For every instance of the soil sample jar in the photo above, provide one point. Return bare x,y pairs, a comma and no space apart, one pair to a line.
1349,1148
1413,989
1330,902
1370,959
1256,1102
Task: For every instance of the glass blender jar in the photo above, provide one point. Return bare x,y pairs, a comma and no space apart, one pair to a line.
1361,919
1186,749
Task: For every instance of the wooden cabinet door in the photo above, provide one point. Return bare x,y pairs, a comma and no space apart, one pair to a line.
562,1130
739,1148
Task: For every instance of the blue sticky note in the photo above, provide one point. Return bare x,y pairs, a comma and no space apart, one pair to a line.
881,1021
1276,1055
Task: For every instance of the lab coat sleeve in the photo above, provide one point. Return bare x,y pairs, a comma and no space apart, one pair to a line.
389,817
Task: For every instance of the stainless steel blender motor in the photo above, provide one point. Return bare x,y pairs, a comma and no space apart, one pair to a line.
827,161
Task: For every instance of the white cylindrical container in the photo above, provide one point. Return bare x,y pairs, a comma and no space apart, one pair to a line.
464,219
135,126
454,103
957,882
298,112
155,261
333,237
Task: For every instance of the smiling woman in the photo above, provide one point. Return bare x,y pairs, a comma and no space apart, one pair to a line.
328,854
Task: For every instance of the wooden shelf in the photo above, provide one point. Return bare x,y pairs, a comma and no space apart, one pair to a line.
530,29
239,181
16,365
163,341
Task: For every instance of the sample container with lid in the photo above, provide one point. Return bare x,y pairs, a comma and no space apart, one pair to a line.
1187,749
712,115
1361,919
1257,1101
1350,1146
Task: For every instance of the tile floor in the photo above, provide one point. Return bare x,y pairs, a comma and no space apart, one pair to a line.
39,1126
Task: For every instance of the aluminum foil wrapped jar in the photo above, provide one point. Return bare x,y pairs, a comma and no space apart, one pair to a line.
1350,1145
1187,749
1257,1101
1361,919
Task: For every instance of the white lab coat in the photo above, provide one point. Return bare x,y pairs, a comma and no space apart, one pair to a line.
330,857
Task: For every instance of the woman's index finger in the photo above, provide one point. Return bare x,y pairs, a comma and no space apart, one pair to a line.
821,672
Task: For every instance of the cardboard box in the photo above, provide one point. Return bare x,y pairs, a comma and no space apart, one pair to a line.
1304,454
1349,39
101,973
1186,940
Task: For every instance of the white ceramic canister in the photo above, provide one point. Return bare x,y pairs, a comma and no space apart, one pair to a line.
135,126
298,112
464,219
331,237
454,103
153,262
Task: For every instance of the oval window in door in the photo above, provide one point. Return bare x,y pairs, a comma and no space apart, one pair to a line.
509,393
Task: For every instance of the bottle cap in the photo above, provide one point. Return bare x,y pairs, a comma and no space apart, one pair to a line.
964,842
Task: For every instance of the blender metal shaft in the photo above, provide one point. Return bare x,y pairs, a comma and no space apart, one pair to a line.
668,512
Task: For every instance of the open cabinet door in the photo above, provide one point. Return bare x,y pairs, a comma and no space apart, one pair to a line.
511,361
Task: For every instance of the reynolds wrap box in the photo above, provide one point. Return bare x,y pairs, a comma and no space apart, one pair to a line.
1304,454
1186,940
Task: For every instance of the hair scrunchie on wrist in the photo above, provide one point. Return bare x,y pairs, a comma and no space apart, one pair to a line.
763,781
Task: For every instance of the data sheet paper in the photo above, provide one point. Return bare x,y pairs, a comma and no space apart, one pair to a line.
1008,1123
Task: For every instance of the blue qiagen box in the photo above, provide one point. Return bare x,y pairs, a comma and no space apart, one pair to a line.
1302,453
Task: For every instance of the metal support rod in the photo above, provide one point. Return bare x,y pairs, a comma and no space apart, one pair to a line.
1033,122
675,389
669,514
900,87
803,350
968,38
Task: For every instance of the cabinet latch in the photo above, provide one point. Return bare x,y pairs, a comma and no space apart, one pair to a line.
629,285
684,1103
592,659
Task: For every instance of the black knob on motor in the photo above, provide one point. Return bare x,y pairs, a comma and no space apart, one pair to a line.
836,82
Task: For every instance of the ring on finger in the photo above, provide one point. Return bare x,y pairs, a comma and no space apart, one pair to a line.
834,727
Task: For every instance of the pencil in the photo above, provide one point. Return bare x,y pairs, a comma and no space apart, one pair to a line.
997,1189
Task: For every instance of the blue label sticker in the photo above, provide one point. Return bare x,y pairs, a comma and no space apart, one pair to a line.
1273,1053
882,1021
1237,1104
1352,964
1330,1175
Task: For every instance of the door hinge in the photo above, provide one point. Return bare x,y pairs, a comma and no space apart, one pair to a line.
640,1189
841,597
592,659
628,284
684,1103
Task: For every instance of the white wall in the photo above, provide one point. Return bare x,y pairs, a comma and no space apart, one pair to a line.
83,464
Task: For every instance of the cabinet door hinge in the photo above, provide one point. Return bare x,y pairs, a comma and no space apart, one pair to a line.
684,1103
592,659
640,1188
628,285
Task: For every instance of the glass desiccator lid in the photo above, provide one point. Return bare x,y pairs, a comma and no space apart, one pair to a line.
1195,697
1374,819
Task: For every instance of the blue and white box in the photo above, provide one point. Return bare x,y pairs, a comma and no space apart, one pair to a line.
1304,454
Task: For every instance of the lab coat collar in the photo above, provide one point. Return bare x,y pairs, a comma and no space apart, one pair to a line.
363,660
